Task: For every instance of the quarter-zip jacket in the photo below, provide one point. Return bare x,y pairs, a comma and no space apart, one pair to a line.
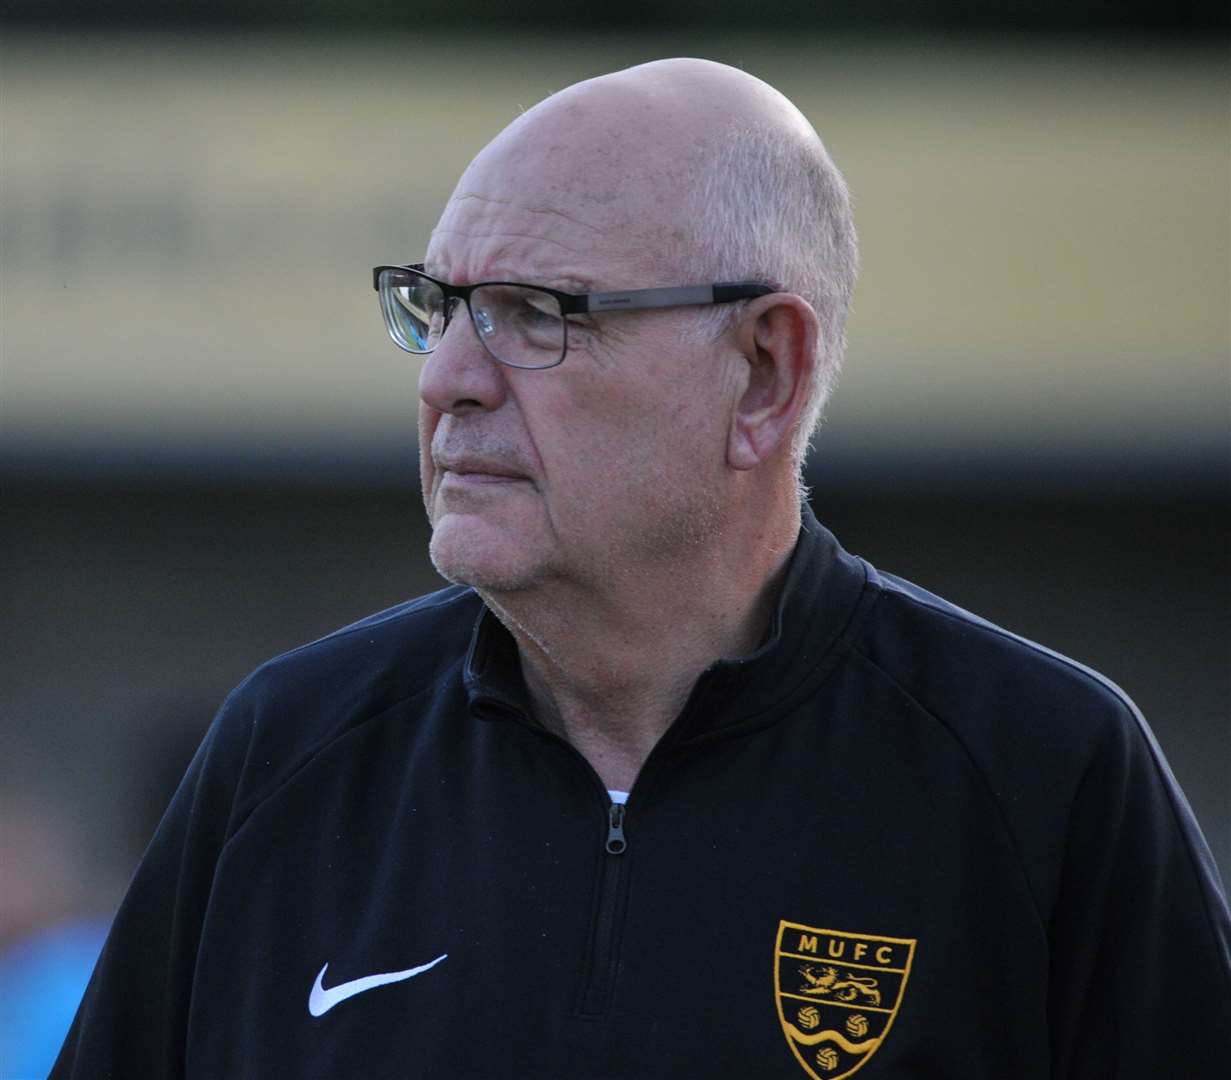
896,839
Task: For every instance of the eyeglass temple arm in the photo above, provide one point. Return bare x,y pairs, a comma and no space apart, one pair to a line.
633,299
678,296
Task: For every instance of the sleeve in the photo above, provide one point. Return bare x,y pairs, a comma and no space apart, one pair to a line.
132,1019
1140,936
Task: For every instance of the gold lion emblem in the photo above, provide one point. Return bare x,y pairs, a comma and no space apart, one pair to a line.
827,981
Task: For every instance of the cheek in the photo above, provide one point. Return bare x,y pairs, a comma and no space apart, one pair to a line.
673,413
631,445
633,425
428,420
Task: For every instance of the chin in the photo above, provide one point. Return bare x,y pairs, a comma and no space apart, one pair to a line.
472,553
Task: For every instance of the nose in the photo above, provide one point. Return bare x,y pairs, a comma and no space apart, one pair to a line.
460,376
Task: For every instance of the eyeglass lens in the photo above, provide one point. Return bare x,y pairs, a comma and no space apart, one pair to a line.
518,325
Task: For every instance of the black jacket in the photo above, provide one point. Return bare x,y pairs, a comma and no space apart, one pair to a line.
896,839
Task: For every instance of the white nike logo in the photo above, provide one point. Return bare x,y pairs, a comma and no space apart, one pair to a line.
320,1001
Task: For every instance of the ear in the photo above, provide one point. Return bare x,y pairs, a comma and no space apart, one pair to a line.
778,336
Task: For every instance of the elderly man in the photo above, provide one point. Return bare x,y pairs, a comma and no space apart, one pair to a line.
668,784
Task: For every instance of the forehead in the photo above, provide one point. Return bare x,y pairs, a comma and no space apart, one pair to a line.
487,237
568,213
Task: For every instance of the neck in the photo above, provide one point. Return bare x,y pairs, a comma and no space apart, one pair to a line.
610,664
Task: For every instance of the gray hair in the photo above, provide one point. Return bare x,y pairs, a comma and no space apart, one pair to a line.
773,207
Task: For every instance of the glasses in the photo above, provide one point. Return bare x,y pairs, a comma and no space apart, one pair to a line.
521,326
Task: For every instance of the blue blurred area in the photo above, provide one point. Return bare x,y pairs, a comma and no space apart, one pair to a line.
42,978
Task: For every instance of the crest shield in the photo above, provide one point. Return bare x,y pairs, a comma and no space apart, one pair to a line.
837,994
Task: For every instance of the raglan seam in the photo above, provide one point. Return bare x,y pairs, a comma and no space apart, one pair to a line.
1126,703
399,612
344,727
975,766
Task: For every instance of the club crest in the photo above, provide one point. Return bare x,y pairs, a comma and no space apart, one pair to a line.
837,994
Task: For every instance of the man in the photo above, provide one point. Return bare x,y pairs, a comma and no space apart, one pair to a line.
863,828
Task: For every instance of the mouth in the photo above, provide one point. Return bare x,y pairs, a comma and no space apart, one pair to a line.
476,473
471,479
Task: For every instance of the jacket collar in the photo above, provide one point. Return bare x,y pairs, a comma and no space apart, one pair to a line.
820,596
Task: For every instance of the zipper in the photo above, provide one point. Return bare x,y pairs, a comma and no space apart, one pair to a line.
617,842
608,916
602,949
603,952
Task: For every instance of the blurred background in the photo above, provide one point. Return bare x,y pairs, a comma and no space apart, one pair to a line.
207,440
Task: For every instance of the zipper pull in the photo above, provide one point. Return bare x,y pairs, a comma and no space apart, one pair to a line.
616,842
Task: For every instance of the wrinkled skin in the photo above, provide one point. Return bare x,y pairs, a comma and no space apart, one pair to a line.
624,513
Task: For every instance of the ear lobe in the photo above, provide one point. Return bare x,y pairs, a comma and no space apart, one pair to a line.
778,337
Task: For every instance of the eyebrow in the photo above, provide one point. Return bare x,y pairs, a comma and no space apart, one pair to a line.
561,283
566,283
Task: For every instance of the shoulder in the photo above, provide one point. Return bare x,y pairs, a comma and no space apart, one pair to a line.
387,655
1062,752
296,704
984,682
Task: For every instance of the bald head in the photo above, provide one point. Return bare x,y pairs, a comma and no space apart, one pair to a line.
673,172
626,150
658,120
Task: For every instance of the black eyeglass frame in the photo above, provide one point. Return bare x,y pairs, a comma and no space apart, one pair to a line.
724,292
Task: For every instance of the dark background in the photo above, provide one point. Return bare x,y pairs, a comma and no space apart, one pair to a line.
1048,16
141,603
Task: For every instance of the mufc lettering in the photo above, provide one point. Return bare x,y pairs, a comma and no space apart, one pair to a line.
833,947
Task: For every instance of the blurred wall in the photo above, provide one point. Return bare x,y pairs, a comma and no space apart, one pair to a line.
189,225
208,441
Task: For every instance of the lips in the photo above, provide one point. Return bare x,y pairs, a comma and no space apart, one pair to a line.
475,470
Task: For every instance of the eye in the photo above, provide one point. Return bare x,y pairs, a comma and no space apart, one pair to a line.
541,310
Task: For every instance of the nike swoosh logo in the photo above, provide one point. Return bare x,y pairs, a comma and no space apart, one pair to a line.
320,1001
